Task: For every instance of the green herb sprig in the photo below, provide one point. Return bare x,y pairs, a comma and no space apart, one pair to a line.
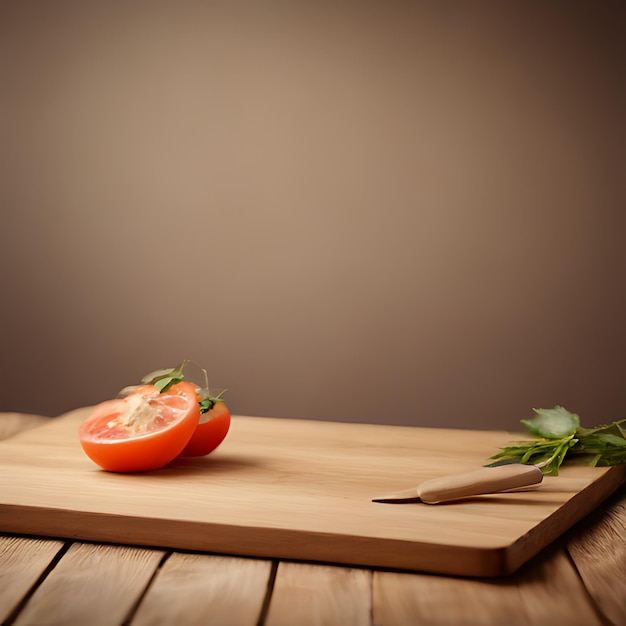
559,436
163,379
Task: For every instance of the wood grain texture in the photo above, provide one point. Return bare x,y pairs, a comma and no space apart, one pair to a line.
193,589
547,593
95,585
553,593
13,423
22,562
316,595
296,489
599,551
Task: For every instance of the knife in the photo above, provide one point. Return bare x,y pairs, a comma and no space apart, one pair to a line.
510,477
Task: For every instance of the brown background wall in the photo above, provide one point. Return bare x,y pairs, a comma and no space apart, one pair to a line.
401,212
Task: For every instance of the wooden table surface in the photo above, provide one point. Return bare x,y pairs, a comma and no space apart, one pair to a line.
580,579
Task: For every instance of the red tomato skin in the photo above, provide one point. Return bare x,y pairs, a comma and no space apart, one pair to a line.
210,434
141,453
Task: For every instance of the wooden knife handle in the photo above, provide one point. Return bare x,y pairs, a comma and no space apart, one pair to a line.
476,482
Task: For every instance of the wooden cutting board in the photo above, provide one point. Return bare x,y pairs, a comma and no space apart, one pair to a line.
297,489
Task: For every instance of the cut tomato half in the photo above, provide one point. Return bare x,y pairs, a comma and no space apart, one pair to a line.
210,432
143,431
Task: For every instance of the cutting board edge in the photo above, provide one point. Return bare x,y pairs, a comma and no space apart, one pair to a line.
284,544
565,518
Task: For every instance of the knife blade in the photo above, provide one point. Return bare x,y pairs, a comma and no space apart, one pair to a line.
510,477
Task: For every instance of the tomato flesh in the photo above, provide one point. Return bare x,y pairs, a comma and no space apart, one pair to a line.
210,433
146,430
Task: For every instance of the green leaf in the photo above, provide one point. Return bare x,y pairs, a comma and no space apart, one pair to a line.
612,440
617,429
559,436
150,378
163,384
553,423
208,402
163,379
174,372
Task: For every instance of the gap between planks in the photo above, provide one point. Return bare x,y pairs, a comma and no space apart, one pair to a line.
91,584
24,565
100,584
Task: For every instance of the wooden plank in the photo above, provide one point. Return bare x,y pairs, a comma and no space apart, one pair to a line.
549,592
13,423
299,490
205,589
406,599
22,562
95,585
599,551
552,593
320,594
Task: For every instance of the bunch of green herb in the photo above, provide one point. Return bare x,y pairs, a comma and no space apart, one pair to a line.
559,436
163,379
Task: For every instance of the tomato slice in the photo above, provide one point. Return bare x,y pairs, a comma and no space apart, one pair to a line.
143,431
210,432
